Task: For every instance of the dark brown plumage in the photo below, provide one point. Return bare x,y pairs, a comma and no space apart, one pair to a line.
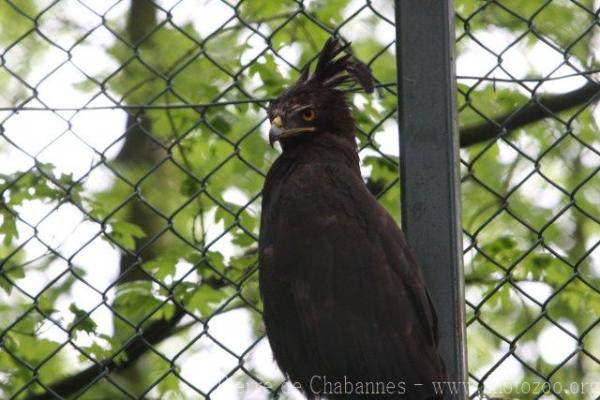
344,300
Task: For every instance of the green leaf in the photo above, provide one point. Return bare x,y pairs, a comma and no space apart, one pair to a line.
8,228
169,387
162,266
206,299
240,238
225,215
268,71
96,351
81,320
489,102
138,300
210,265
125,233
10,270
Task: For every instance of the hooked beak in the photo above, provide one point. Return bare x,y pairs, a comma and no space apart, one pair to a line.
277,132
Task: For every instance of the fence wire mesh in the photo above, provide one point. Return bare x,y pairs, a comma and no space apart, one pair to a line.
531,215
134,146
133,150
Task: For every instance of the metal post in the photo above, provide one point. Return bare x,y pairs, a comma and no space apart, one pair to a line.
430,163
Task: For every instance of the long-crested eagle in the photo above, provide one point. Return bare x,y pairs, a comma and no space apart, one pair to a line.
345,307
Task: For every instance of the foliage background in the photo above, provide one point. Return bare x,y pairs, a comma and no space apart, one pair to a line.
134,149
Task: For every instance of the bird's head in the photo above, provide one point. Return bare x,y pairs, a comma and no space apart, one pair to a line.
315,104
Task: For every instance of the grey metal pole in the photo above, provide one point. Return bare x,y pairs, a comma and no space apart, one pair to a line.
429,164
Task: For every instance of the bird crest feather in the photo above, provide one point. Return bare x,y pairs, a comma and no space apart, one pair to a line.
332,72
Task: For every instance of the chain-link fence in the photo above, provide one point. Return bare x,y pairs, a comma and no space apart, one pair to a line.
169,309
531,211
134,147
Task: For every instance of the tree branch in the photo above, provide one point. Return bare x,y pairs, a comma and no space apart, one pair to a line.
155,332
534,111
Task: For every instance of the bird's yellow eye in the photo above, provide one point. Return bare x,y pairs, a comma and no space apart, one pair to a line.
309,115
